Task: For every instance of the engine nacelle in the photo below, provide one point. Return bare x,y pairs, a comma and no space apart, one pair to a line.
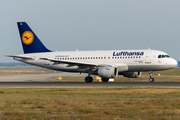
131,74
108,72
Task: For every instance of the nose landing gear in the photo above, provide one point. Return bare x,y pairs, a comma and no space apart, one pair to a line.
151,79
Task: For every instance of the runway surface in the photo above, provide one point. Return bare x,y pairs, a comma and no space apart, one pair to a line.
85,85
47,77
30,77
44,80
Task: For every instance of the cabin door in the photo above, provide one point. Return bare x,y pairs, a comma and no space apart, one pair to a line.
148,57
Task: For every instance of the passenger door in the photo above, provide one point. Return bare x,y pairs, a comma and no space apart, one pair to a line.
148,57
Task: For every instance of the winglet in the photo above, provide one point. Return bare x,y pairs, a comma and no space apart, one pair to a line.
30,42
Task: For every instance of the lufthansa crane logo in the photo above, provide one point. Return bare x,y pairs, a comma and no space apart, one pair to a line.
27,37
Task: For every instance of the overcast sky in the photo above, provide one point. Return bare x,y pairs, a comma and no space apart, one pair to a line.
65,25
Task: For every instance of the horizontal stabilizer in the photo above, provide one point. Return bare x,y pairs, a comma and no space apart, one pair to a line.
23,57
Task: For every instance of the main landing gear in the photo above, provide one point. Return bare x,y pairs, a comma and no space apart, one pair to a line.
89,79
105,79
151,79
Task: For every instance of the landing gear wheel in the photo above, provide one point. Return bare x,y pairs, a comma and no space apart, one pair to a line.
88,79
105,79
151,79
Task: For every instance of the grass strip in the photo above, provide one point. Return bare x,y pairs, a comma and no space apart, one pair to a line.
90,103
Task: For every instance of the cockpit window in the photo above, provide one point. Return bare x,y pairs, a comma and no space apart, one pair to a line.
163,56
167,56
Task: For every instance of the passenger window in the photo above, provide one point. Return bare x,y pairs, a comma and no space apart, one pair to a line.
159,56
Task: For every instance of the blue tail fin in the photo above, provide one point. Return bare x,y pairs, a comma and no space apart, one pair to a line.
30,42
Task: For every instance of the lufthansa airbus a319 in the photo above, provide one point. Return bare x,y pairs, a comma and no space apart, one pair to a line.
106,64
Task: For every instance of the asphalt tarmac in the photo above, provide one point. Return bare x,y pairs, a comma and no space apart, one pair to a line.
38,77
85,85
46,77
43,81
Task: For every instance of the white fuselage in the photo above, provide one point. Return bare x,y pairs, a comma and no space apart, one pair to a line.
124,60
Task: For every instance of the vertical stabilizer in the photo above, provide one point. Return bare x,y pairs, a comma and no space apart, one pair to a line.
30,42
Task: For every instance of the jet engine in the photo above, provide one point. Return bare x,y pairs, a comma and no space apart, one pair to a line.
131,74
108,72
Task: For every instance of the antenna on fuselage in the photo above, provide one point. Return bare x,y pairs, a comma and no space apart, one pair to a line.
76,49
149,48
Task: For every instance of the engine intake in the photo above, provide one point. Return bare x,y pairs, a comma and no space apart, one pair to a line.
108,72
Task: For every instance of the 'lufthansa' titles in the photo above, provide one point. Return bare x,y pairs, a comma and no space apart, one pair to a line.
128,53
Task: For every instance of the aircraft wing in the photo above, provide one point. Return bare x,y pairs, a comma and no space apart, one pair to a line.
23,57
88,66
72,63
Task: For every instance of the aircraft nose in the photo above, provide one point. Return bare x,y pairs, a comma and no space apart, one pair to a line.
174,62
